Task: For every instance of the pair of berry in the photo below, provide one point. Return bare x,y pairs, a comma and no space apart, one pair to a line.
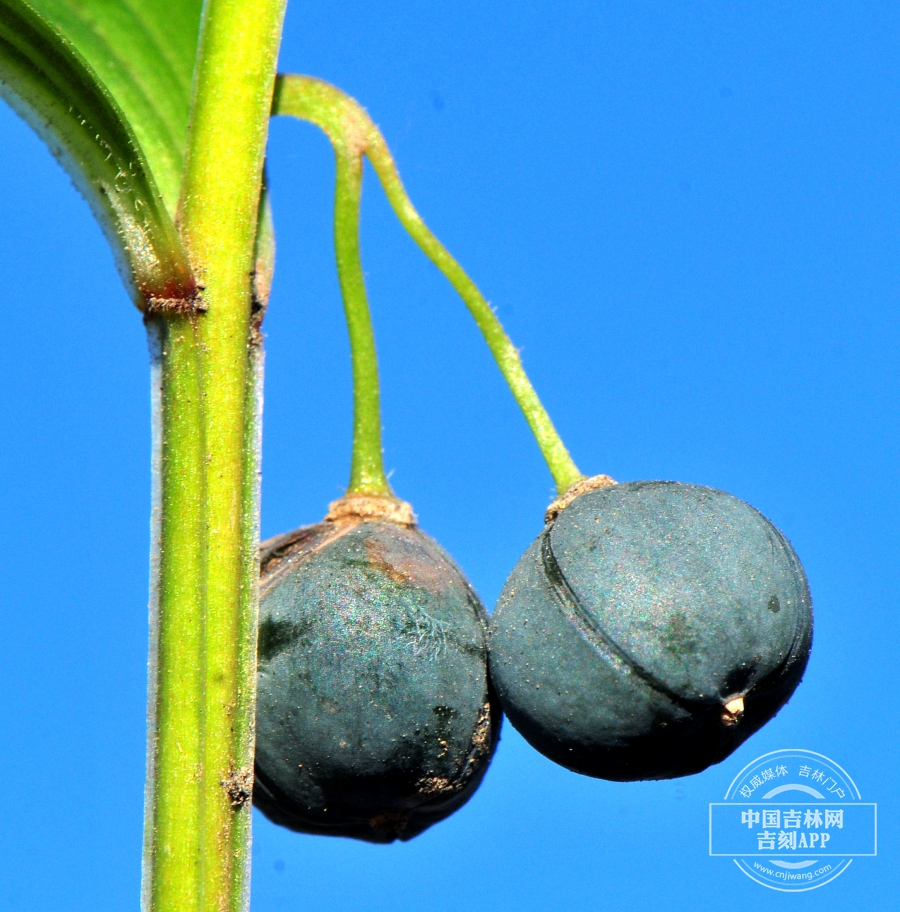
647,632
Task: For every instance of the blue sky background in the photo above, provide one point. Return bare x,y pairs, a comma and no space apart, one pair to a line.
688,216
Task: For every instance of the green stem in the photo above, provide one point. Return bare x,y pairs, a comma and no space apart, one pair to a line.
197,844
174,810
367,465
347,124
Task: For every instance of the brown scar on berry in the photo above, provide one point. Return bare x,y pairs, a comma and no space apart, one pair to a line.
407,567
377,557
239,786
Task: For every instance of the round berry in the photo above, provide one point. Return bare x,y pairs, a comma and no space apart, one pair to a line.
649,630
374,715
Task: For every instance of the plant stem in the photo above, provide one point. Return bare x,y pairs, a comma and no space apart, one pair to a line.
347,124
202,705
174,811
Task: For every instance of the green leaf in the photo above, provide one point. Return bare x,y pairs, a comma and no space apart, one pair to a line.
144,53
49,81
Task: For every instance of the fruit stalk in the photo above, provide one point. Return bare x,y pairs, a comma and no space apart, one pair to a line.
349,127
197,833
367,465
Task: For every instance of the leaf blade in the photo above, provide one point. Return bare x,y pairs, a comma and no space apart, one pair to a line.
49,83
144,53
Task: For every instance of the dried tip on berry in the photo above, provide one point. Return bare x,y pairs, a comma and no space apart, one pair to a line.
371,507
732,711
582,486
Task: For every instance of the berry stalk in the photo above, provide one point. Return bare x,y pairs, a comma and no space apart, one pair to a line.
367,464
349,127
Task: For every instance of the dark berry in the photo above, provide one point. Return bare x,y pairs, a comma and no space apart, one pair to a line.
374,715
649,630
